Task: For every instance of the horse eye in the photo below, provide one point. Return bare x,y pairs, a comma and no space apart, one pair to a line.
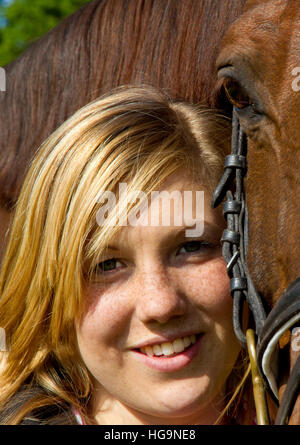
236,94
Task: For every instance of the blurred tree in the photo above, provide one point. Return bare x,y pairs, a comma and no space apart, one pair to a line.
23,21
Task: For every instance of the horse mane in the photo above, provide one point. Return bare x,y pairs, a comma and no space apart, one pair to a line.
169,44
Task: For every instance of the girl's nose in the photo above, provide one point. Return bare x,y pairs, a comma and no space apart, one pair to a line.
159,298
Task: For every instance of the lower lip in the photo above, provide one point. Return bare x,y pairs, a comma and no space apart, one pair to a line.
171,364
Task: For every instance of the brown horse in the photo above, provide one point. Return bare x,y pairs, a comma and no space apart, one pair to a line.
259,67
169,44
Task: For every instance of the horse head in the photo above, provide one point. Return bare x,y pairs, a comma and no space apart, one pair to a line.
259,68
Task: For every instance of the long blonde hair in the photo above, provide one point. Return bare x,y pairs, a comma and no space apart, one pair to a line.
134,135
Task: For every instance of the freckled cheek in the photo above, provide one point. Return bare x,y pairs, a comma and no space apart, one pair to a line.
105,319
208,285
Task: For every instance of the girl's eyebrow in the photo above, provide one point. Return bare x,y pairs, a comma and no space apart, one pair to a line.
210,229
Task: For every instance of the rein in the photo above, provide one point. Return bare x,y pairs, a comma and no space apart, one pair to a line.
285,314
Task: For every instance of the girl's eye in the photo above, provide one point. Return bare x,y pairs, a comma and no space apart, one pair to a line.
236,94
108,265
193,246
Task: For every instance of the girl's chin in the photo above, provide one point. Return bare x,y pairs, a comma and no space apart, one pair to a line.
174,405
181,400
183,414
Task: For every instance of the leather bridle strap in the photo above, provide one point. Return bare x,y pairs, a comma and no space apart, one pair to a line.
284,315
235,237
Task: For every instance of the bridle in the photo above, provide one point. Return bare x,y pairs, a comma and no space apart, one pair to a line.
264,355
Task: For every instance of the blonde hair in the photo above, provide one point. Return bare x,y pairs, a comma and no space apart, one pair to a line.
134,135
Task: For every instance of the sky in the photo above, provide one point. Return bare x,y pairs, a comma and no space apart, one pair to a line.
4,3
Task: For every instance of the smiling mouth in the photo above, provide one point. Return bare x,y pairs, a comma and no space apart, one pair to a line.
170,349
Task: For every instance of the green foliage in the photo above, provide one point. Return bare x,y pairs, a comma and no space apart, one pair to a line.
24,21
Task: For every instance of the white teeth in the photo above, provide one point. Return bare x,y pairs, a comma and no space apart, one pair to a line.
168,348
157,350
178,345
149,350
186,341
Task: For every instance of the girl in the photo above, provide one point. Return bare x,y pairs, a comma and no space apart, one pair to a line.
114,295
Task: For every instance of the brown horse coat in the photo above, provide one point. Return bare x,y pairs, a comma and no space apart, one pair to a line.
261,53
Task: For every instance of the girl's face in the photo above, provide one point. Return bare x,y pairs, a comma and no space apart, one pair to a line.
156,332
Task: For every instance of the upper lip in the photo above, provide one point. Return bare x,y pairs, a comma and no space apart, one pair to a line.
163,339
